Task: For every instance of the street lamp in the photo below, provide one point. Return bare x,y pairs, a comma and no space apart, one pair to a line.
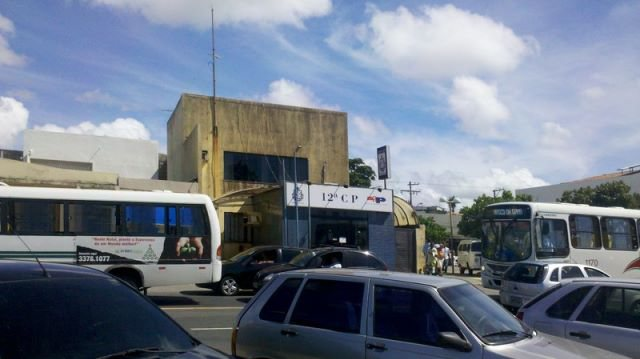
451,202
295,187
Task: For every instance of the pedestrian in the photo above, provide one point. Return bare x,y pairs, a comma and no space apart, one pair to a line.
433,259
426,250
446,262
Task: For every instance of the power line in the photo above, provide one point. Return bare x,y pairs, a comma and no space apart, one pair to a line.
411,191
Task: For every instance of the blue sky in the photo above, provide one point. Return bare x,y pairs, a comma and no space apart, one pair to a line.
469,95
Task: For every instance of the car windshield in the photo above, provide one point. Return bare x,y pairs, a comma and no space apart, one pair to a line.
302,259
492,323
82,318
508,241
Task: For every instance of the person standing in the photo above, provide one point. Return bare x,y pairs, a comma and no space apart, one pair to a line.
426,250
446,261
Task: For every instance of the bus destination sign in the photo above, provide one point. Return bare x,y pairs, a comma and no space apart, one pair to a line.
508,212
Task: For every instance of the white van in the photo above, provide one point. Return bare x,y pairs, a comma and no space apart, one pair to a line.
469,255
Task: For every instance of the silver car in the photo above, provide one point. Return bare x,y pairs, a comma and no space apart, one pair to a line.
344,313
603,312
525,280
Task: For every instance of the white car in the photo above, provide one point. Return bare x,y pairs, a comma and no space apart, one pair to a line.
602,312
351,314
525,280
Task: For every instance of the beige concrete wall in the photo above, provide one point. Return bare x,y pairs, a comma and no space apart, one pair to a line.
18,173
252,127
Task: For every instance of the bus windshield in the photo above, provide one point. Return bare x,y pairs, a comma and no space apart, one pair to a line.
506,241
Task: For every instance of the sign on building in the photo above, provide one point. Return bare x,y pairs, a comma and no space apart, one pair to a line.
339,197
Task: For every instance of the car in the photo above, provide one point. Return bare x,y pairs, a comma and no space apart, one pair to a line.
353,313
238,272
602,312
524,280
342,257
52,310
469,255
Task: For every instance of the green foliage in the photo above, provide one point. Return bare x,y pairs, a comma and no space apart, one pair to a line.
610,194
470,223
434,232
360,175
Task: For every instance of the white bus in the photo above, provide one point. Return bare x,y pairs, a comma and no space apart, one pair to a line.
145,238
559,232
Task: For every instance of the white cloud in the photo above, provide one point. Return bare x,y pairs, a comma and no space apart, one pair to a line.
96,97
367,128
435,43
7,56
13,120
122,127
478,108
554,135
197,13
593,93
290,93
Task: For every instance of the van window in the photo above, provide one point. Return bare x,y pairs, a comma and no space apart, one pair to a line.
476,246
329,304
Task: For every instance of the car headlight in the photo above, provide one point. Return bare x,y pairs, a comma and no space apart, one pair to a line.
268,278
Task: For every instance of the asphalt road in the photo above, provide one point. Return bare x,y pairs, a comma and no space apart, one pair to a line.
210,317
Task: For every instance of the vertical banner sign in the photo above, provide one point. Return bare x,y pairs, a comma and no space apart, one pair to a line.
383,163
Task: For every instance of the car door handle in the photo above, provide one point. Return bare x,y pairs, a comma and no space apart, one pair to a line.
377,347
288,333
581,335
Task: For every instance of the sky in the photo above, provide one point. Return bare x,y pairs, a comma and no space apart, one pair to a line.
470,96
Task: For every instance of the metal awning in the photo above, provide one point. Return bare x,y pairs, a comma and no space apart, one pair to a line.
403,213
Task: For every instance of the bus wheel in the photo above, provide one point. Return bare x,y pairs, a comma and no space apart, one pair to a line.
461,269
228,286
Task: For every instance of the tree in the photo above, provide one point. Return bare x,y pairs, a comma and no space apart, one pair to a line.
470,224
434,232
610,194
360,174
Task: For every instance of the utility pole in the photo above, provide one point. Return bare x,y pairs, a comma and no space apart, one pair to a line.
411,191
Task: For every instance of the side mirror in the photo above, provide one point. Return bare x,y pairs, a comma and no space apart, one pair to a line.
453,341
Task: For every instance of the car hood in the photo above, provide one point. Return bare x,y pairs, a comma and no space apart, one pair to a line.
548,346
278,268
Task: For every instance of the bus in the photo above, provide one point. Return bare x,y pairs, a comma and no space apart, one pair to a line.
604,237
147,239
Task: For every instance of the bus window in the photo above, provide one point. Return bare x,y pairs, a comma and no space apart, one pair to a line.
92,219
619,233
553,240
192,222
38,217
145,220
585,232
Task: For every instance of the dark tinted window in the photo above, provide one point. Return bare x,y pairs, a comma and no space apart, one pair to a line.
592,272
618,307
276,308
563,308
328,304
525,273
263,168
265,257
289,254
585,232
93,218
554,276
476,246
81,318
571,272
409,315
38,217
329,259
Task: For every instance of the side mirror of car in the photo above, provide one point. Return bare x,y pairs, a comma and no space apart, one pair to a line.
453,341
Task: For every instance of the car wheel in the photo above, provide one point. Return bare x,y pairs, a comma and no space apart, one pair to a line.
228,286
469,269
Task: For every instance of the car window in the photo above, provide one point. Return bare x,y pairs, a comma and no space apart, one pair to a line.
289,254
592,272
564,307
571,272
525,273
330,304
356,259
409,315
375,263
613,306
331,260
554,276
81,318
265,257
276,308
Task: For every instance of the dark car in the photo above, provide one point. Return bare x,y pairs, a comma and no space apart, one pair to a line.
325,257
64,311
238,272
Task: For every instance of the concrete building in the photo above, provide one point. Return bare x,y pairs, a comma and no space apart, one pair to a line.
125,157
552,193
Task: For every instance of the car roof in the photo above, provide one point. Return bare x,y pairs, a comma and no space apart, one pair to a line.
606,280
340,249
18,270
403,277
